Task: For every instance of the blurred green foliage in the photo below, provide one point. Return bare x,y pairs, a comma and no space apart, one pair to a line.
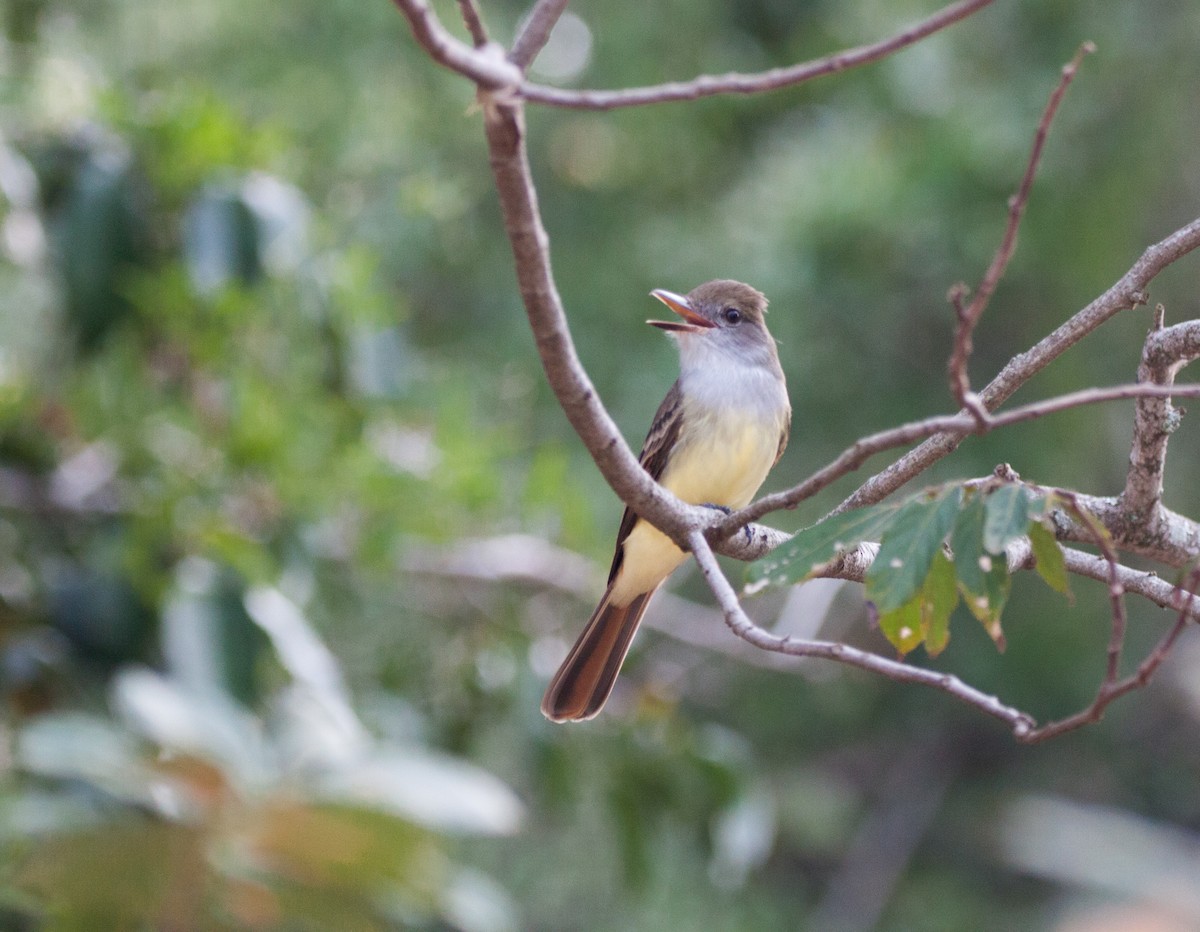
264,375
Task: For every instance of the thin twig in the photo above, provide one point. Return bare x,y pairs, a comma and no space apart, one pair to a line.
486,66
1020,722
535,32
711,85
473,20
1112,690
1116,591
968,317
955,426
1128,292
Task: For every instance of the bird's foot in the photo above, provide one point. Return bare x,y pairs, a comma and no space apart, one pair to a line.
749,534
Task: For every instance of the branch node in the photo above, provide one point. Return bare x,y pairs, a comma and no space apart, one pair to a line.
974,405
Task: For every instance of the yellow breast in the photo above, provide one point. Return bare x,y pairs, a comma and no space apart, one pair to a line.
721,458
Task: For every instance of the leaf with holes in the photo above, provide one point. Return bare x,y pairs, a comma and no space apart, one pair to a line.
939,596
902,626
925,618
987,601
909,546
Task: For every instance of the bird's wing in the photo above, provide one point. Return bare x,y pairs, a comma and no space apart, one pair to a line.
664,431
783,436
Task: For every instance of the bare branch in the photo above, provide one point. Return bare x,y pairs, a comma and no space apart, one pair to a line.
968,318
711,85
535,32
1020,722
1128,292
473,20
505,128
1167,536
486,66
1165,352
954,426
1112,688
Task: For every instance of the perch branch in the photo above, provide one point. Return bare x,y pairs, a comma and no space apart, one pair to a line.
1019,722
711,85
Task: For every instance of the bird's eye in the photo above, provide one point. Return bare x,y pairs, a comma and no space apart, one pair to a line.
732,315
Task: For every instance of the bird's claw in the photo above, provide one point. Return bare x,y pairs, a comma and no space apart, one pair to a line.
749,534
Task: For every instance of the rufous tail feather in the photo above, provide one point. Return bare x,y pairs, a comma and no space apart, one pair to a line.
584,681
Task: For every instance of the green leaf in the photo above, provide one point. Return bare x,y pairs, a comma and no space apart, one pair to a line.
939,596
1049,556
1007,517
908,548
813,547
967,543
987,602
902,626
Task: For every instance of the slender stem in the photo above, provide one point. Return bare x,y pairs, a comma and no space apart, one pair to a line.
473,20
1128,292
711,85
968,317
535,32
1020,722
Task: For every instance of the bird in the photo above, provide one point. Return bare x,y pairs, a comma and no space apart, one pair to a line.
722,426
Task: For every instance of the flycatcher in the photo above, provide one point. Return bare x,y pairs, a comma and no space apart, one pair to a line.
721,428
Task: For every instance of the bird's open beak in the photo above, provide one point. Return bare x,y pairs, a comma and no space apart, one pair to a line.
691,323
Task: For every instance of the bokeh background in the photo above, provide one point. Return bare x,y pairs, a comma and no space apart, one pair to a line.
292,533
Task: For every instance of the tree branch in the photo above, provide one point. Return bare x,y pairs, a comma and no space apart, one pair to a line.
1165,352
1020,722
710,85
486,66
1128,292
535,32
968,317
473,20
953,426
505,130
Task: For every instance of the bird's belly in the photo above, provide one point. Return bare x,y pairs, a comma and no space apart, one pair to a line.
724,465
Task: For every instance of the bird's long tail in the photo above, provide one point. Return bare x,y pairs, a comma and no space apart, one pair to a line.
583,682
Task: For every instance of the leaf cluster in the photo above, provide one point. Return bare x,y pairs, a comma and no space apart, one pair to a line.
936,548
